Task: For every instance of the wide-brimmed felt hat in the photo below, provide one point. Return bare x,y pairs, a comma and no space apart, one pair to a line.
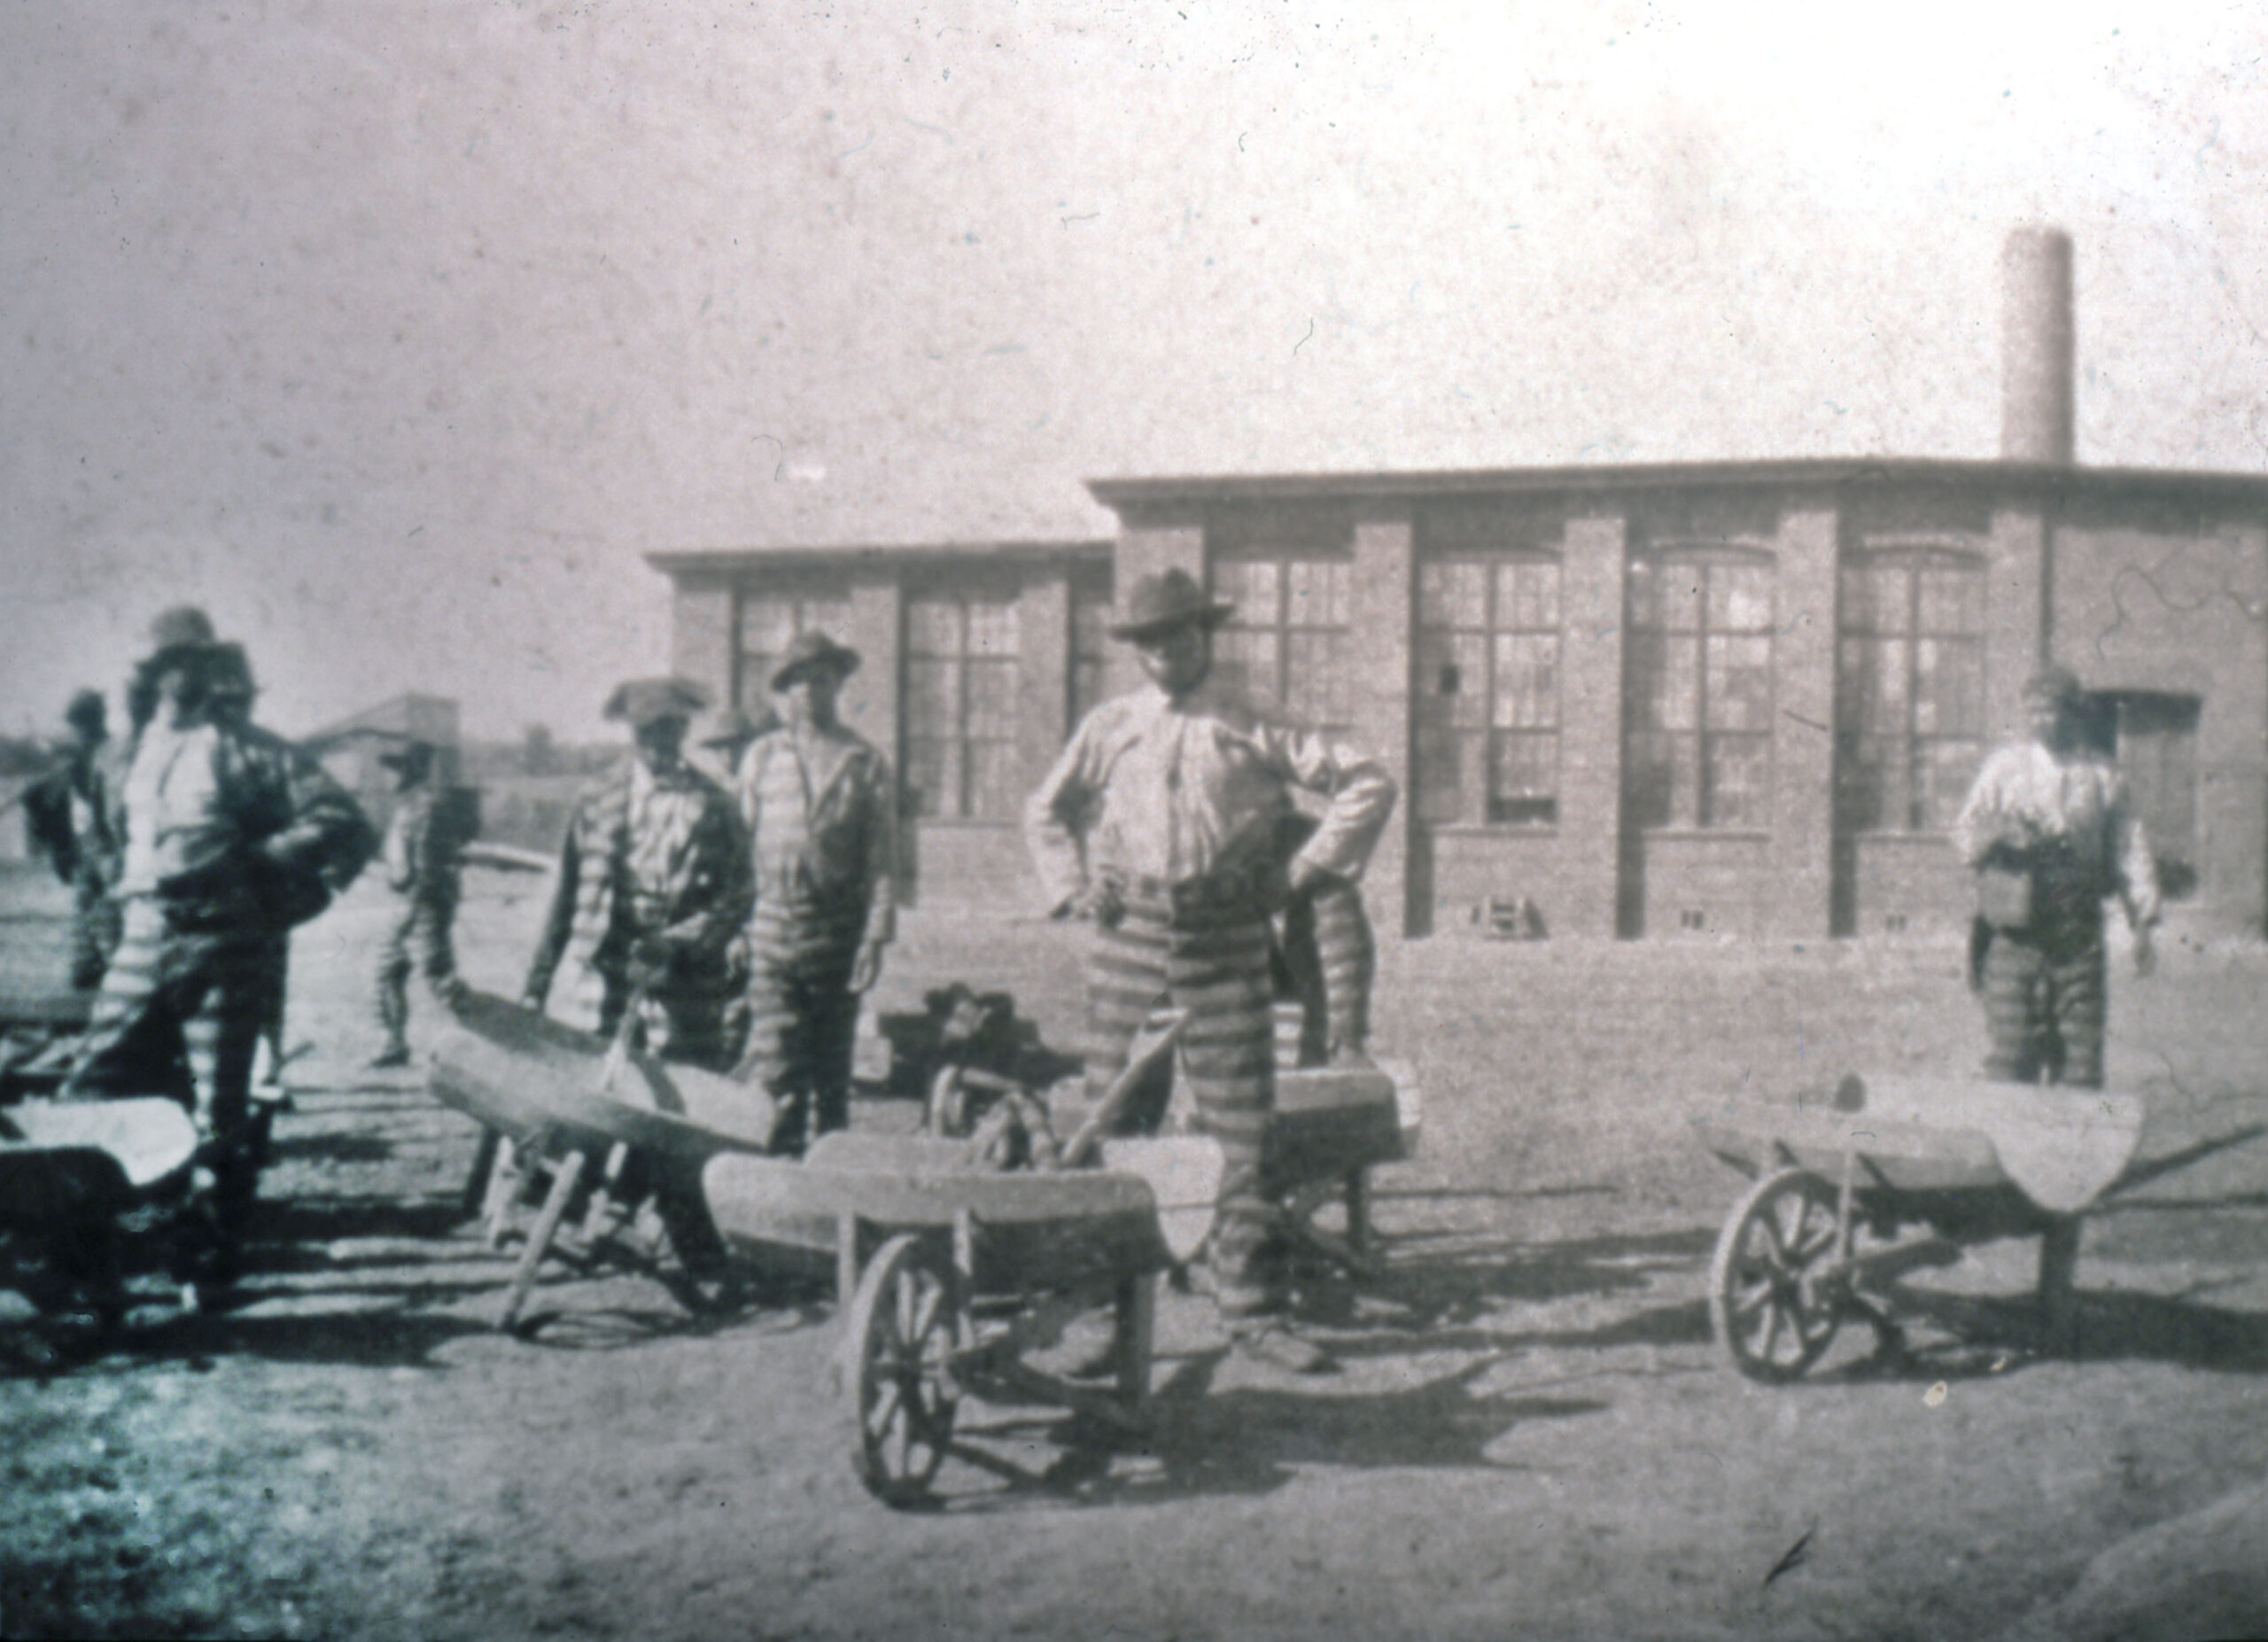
640,702
728,726
808,651
183,628
1163,601
2057,684
412,754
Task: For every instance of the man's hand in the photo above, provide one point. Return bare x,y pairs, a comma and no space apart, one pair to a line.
2146,951
1098,902
1302,874
866,968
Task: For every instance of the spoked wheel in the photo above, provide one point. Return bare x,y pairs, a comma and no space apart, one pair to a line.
903,1324
1772,1301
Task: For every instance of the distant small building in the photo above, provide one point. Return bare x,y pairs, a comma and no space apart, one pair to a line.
350,748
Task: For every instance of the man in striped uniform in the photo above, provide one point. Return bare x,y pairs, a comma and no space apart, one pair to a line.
2051,832
652,887
232,836
818,802
68,815
1158,823
423,871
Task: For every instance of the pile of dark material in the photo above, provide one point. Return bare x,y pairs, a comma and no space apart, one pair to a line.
969,1030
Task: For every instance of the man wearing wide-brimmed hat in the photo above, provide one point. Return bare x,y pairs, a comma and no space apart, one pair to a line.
2051,833
1160,823
652,886
425,873
232,836
818,804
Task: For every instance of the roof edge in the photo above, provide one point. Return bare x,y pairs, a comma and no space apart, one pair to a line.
678,561
1810,470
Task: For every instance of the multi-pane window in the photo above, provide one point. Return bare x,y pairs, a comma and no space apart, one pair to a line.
1287,645
1698,742
1910,694
770,619
1090,642
1489,690
962,674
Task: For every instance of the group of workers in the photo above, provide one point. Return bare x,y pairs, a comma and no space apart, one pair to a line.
735,923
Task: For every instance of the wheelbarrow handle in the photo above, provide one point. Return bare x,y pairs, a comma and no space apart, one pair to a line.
1147,1052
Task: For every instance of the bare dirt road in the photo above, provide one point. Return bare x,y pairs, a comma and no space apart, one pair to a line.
1532,1434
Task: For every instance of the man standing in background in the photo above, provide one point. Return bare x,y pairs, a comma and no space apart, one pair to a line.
423,871
818,802
2050,832
652,887
69,815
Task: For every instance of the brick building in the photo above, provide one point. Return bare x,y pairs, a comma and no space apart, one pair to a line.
1703,697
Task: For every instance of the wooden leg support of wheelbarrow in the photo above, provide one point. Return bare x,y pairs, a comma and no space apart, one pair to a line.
568,1175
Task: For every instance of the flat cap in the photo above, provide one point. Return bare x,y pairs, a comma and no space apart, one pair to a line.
640,702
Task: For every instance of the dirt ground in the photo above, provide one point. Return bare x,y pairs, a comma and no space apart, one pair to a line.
1531,1433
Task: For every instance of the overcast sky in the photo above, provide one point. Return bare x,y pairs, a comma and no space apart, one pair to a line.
396,333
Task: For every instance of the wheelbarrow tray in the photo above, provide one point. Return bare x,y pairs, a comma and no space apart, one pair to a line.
64,1008
2061,1149
60,1158
1329,1121
1148,1206
534,1078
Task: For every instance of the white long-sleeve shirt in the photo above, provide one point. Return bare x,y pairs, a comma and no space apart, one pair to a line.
1158,788
2025,796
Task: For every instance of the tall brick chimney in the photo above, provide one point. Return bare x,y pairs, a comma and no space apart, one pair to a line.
2036,347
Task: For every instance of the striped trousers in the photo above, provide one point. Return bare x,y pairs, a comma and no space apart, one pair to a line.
2044,1002
1329,957
1213,964
418,941
96,929
801,1022
169,995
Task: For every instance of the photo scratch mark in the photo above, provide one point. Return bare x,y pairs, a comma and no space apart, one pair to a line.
1303,342
1795,1557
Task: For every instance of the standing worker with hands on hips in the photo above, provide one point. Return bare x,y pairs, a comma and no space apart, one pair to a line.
1158,824
2051,832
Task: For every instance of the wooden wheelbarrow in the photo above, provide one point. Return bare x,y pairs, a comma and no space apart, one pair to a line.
72,1173
564,1101
1966,1159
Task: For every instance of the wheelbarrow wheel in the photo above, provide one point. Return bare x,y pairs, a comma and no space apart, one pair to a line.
1774,1303
905,1321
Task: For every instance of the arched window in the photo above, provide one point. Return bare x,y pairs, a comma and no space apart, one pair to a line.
1487,691
1698,705
1909,712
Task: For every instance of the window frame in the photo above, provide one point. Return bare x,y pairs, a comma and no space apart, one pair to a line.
959,738
1916,558
1477,812
1706,557
1282,628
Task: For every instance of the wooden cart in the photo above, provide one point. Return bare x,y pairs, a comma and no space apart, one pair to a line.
1860,1165
561,1110
954,1278
86,1194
